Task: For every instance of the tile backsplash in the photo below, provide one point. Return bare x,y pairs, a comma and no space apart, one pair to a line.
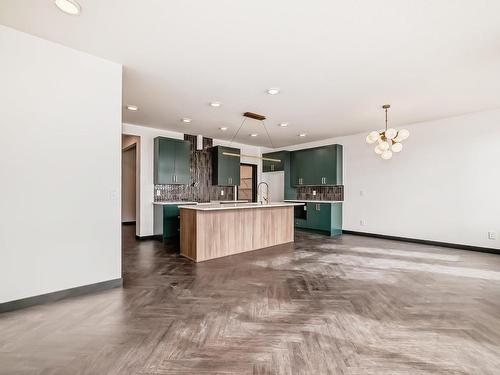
323,193
200,189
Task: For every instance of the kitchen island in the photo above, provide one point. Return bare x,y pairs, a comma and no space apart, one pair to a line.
211,231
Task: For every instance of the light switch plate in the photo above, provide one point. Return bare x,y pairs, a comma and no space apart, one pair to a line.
492,235
314,192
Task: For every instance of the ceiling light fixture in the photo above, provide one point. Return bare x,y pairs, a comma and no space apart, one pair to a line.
283,124
186,120
389,140
215,104
254,116
273,91
68,6
302,134
131,107
223,128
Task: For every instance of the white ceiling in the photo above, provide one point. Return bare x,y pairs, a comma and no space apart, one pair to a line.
336,62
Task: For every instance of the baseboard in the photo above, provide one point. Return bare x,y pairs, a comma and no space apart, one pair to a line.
128,222
158,237
59,295
426,242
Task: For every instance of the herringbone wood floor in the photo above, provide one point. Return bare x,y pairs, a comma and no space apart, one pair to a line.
352,305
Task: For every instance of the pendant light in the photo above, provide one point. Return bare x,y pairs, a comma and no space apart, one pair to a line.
389,140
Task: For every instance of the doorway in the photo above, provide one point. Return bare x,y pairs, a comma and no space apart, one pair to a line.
248,182
128,185
130,180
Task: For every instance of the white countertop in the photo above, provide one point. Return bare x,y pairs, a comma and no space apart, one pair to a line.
311,201
232,206
164,203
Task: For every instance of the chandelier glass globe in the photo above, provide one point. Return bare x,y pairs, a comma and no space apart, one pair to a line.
402,135
378,151
391,133
386,155
383,145
397,147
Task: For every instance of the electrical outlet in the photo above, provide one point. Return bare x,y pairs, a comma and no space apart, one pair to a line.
158,192
222,193
362,222
314,192
492,235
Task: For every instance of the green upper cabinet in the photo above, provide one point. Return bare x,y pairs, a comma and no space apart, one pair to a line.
274,165
317,166
225,168
172,161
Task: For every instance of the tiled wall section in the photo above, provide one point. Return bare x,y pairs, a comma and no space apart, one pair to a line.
201,188
323,193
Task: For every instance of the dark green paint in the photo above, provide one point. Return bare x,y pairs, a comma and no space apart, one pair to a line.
225,169
317,166
172,161
171,221
322,217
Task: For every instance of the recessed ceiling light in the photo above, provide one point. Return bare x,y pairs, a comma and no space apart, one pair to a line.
273,91
283,124
68,6
223,128
131,107
253,135
186,120
215,104
302,134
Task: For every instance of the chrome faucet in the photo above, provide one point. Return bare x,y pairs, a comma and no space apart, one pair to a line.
266,197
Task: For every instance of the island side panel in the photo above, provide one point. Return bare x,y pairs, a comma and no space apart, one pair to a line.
188,238
227,232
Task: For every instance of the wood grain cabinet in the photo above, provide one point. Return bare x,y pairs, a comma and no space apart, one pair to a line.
225,168
317,166
172,161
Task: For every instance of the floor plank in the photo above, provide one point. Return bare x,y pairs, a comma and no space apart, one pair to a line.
350,305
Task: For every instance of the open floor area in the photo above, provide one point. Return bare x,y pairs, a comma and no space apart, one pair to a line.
321,305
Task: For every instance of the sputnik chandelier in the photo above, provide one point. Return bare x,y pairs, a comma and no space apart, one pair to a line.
388,141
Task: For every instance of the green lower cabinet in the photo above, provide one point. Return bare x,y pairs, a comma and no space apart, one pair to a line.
336,220
171,221
323,217
319,214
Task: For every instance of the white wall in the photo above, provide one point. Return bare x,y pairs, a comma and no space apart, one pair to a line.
444,185
60,141
147,136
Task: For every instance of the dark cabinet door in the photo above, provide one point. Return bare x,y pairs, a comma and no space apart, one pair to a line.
300,168
172,162
225,168
182,163
330,163
273,165
164,161
317,166
320,216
